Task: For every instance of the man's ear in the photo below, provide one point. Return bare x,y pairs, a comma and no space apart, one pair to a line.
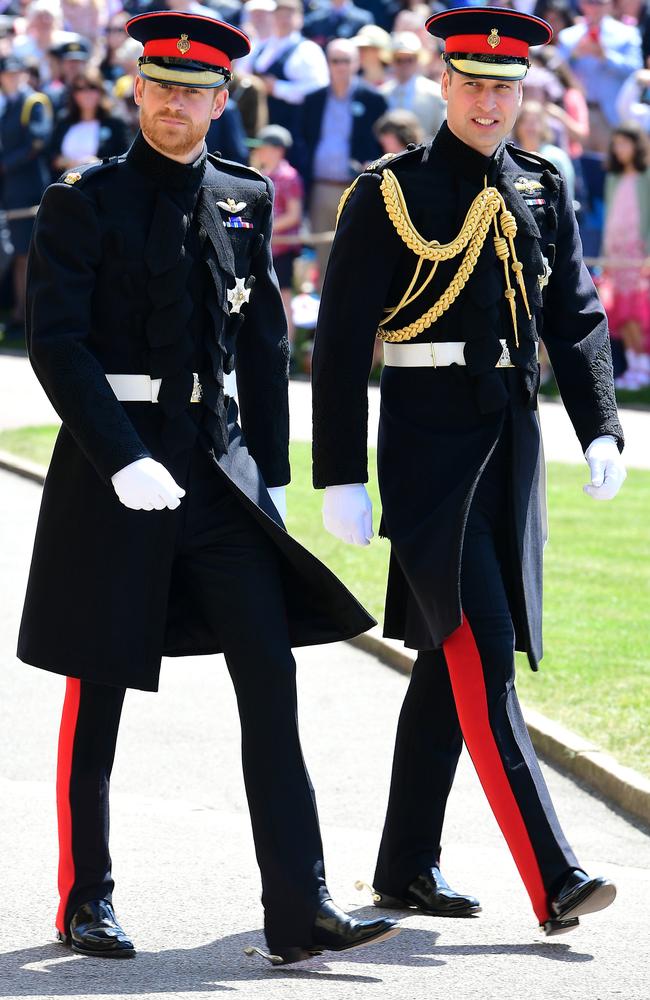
138,90
220,102
444,84
520,94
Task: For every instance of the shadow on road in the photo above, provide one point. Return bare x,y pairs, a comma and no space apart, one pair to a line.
54,971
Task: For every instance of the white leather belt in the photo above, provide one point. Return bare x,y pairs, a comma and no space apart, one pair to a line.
144,389
436,355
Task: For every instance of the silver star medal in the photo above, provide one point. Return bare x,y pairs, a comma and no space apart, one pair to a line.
238,295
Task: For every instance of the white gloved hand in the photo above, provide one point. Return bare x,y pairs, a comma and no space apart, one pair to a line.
278,495
606,468
347,513
146,485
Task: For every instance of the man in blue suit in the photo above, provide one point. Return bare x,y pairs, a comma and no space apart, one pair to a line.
337,131
335,19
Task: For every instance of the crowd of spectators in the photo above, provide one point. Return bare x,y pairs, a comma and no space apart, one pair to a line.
329,86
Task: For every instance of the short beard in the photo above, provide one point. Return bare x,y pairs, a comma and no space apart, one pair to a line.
174,142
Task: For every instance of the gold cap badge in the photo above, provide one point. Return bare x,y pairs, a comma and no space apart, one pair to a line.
493,39
183,44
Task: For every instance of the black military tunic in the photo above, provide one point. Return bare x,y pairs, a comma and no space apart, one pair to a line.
143,288
459,465
437,430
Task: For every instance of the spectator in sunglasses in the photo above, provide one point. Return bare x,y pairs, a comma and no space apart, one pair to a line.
409,88
89,131
114,37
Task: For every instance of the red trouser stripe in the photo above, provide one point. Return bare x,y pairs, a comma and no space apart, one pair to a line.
64,812
468,684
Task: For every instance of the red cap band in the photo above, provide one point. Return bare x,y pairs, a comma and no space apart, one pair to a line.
478,44
183,48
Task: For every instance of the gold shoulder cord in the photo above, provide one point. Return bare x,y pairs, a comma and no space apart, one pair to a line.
482,214
30,101
375,165
344,197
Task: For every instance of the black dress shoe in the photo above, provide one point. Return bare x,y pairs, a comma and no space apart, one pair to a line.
429,893
94,930
333,930
577,896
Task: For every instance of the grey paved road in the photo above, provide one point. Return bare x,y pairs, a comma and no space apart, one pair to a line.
187,885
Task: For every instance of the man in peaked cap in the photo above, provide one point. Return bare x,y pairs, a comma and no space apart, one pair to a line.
160,529
25,129
480,257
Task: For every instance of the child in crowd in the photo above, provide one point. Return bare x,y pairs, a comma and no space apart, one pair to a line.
625,284
268,156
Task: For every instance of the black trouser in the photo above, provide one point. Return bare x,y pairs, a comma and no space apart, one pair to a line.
229,570
466,690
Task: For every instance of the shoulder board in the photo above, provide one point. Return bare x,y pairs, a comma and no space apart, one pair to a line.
535,158
85,171
235,167
30,101
392,159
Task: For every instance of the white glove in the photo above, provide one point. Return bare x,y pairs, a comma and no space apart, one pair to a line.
347,513
146,485
278,495
606,468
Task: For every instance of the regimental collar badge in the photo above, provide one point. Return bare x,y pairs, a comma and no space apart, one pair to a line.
183,44
238,295
232,206
528,185
494,39
72,178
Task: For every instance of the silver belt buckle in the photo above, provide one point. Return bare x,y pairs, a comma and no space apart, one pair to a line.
197,390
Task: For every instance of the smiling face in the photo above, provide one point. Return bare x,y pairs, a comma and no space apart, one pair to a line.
480,112
175,120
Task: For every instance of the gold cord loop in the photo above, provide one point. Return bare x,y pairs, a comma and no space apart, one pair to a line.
501,247
483,212
508,224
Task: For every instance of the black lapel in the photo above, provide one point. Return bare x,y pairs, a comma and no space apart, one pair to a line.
166,236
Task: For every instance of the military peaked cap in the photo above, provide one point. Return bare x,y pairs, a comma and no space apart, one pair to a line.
489,42
73,49
187,50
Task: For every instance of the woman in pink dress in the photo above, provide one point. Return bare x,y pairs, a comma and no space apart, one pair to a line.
625,284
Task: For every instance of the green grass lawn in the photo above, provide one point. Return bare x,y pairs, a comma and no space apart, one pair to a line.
595,676
638,399
35,443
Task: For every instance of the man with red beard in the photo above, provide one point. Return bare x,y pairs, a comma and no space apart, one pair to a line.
161,532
